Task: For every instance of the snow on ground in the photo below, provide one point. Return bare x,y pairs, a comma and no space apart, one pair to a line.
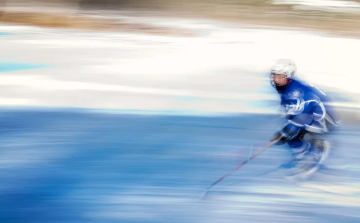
224,68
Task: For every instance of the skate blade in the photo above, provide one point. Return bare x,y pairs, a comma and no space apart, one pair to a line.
302,175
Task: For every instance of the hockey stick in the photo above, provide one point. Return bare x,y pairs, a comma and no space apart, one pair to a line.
242,164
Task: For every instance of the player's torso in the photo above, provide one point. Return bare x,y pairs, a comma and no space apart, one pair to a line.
296,97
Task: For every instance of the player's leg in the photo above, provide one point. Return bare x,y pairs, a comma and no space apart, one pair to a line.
305,156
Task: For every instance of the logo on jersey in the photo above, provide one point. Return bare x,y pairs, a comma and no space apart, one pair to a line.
295,94
294,102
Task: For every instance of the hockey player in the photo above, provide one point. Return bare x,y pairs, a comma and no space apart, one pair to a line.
308,117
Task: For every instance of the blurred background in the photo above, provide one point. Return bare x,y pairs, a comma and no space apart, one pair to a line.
126,111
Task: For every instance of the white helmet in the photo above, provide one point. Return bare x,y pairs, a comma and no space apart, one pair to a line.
283,66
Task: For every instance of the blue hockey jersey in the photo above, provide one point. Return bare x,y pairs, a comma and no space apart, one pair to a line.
307,107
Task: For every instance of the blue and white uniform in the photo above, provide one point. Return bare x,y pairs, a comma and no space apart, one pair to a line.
307,110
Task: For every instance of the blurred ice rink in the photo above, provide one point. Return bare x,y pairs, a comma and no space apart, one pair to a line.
76,147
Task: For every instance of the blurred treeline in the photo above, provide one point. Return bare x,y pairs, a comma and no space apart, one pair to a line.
114,4
252,12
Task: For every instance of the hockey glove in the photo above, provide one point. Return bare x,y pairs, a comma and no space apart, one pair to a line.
280,141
